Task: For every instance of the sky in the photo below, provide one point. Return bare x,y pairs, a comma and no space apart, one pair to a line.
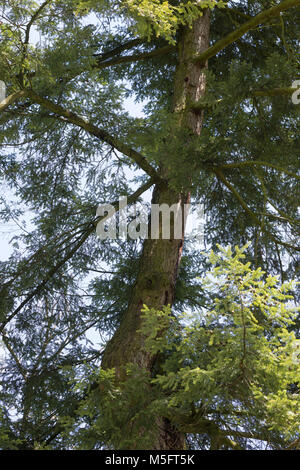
13,228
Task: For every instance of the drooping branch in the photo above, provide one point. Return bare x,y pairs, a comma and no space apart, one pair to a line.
261,18
252,215
98,132
13,354
90,227
282,214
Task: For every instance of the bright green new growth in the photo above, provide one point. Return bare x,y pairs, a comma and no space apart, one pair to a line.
160,18
150,18
227,372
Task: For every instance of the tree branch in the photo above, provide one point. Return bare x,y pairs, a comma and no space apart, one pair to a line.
118,49
80,121
253,216
283,91
14,355
11,99
239,32
134,57
101,134
198,424
32,20
229,166
90,228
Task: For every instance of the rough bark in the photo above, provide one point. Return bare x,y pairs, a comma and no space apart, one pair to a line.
160,258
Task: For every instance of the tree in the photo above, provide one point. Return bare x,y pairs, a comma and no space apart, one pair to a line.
220,128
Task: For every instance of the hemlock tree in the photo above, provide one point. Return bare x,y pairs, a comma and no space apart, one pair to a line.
220,128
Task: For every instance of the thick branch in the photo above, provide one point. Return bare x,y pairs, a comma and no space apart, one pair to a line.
118,49
11,99
108,59
283,91
134,57
198,424
80,121
239,32
101,134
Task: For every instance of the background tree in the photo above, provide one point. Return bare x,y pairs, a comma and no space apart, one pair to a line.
220,128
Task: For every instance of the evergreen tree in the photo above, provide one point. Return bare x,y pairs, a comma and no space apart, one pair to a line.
219,128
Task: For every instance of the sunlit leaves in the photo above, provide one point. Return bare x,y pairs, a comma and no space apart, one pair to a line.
233,362
163,18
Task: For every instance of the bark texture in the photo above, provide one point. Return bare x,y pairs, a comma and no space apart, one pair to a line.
160,258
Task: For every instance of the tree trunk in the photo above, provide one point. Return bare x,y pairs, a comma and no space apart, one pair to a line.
160,258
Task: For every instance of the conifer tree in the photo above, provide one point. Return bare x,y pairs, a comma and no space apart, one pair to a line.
220,128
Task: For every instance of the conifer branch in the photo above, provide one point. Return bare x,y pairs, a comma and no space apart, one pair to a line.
90,227
11,99
134,57
283,91
253,216
199,424
118,49
262,17
32,20
254,163
98,132
280,91
72,118
11,350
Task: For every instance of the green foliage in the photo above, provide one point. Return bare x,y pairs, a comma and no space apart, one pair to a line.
162,18
238,356
117,413
149,18
230,365
7,440
60,286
